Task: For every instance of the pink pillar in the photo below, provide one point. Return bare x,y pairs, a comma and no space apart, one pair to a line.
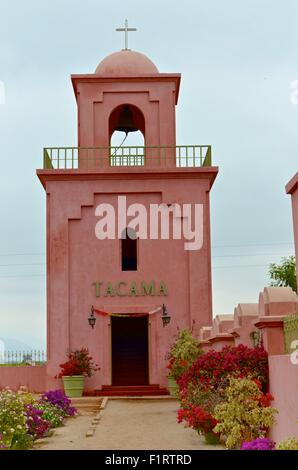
274,304
292,188
220,333
244,315
204,336
272,334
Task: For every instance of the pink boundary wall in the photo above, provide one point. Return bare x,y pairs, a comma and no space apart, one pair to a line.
274,304
284,387
267,316
33,377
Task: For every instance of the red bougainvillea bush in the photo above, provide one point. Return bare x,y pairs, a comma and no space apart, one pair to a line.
203,386
79,363
213,367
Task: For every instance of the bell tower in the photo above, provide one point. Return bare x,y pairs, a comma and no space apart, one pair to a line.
126,93
152,282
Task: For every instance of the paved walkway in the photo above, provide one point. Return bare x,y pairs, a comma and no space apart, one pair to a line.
128,424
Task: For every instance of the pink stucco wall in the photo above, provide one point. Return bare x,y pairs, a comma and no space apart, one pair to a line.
274,304
98,95
33,377
76,259
222,324
284,386
219,334
244,315
292,189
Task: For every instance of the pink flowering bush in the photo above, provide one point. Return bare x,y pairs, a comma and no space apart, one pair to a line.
36,425
59,399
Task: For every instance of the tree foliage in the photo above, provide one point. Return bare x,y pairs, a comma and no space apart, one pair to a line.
284,274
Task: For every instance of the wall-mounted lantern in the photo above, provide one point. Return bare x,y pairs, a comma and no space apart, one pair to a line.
92,318
166,318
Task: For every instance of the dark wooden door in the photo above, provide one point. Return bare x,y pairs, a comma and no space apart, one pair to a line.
130,351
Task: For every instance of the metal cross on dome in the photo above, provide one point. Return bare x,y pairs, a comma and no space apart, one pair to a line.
126,29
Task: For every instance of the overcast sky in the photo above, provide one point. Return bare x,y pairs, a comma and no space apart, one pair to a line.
238,59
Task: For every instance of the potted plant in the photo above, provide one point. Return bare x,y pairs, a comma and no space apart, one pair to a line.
197,405
183,352
73,372
201,421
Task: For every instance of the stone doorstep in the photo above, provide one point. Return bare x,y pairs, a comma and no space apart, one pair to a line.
87,402
91,405
95,401
88,405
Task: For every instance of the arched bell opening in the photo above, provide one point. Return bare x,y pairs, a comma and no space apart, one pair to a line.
127,136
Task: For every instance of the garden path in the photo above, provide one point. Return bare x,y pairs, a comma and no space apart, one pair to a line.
128,424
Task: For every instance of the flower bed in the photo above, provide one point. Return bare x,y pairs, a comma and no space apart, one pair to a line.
24,418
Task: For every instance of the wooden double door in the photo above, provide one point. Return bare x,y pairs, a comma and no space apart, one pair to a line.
130,351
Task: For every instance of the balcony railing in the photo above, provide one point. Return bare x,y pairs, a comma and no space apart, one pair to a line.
187,156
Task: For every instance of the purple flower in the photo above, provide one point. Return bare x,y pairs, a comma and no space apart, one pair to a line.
36,425
261,443
59,399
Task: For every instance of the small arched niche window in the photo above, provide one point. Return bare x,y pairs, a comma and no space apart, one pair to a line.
127,136
129,250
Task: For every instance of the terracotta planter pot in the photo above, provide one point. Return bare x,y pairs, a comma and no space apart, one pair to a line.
73,385
173,387
211,438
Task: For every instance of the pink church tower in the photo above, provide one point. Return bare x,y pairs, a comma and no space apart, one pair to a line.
126,280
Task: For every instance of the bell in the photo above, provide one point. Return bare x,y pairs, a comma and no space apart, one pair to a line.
126,123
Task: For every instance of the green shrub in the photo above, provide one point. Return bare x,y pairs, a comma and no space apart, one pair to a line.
288,444
22,442
245,415
183,352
